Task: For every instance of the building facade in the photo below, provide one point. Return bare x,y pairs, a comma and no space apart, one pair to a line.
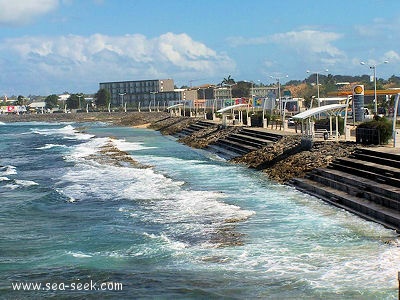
156,92
265,97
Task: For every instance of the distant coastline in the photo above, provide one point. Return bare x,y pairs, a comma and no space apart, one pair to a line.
116,118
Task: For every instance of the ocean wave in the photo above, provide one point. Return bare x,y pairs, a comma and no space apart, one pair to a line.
3,178
67,132
206,214
11,186
105,151
79,254
8,170
123,145
18,183
164,239
50,146
25,183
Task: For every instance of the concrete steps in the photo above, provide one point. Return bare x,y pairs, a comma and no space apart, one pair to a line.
373,171
246,140
367,184
383,195
264,135
249,140
199,125
366,209
235,146
223,152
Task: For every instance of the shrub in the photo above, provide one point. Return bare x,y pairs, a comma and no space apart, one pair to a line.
382,125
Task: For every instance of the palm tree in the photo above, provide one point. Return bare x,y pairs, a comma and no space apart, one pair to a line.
228,80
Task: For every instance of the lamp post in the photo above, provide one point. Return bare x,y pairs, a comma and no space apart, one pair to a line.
373,67
79,99
279,91
122,98
317,74
154,100
251,100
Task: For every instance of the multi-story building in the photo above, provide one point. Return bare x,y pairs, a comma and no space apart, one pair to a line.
147,92
268,95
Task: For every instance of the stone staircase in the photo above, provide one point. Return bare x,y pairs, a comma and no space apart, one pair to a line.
243,142
367,184
199,125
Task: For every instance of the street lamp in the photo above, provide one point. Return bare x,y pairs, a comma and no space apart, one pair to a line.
317,73
122,98
279,91
373,67
154,100
79,99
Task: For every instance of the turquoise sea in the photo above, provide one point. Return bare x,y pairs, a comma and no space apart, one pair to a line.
191,226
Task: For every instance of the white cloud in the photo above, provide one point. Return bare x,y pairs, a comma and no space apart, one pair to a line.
379,28
310,41
237,41
17,12
392,56
307,43
317,41
99,57
295,50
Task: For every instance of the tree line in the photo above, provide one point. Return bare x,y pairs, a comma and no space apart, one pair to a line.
328,84
77,101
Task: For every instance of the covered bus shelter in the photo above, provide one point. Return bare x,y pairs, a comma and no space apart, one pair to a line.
230,111
175,109
307,126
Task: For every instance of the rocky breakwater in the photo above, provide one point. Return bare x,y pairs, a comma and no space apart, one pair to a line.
290,158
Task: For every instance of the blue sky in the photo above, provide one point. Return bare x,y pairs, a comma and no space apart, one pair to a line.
52,46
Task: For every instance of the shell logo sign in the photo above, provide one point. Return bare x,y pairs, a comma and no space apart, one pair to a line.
358,90
358,102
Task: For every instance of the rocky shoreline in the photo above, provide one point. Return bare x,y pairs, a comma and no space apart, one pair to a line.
115,118
280,161
287,158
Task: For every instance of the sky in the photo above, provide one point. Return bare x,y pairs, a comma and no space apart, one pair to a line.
55,46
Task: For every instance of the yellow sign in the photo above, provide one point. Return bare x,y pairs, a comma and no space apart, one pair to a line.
358,90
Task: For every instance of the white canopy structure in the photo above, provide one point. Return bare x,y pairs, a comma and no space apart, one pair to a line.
331,110
333,99
224,113
174,106
175,109
228,108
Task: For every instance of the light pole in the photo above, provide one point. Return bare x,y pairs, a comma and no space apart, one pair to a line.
154,100
279,91
122,98
373,67
317,73
79,99
204,99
